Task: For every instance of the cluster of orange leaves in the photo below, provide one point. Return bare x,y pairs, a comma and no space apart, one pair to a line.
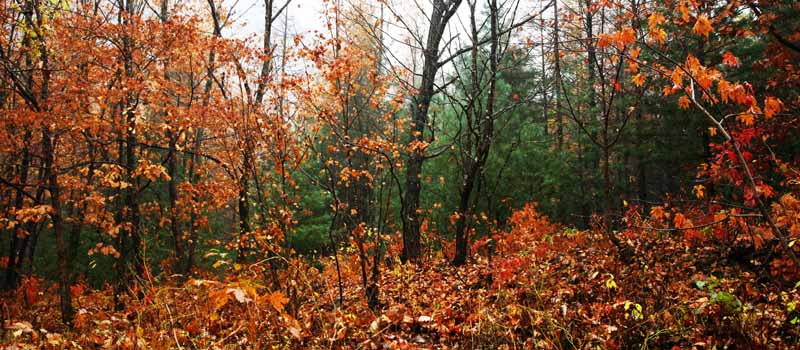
534,285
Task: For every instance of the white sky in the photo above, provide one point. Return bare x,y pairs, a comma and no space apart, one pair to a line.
304,16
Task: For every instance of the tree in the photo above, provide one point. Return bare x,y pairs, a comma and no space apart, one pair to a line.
354,139
441,13
480,123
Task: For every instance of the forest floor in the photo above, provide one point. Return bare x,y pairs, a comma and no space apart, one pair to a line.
545,287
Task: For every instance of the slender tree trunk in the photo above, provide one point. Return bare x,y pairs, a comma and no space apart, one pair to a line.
441,13
244,212
77,225
172,169
462,229
198,140
48,143
642,182
481,125
131,264
172,190
27,248
194,236
14,254
17,248
335,248
51,175
605,166
545,95
558,88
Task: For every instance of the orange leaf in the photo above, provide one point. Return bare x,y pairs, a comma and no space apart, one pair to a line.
747,119
638,79
658,35
603,40
703,26
277,300
679,220
677,77
655,19
657,212
684,10
627,37
684,102
729,59
772,105
635,52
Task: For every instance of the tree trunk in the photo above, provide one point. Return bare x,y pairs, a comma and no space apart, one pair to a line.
48,143
131,261
172,190
441,13
482,125
14,253
244,210
193,232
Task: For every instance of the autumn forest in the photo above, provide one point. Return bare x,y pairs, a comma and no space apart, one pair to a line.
399,174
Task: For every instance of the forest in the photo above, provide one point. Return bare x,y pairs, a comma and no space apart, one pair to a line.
399,174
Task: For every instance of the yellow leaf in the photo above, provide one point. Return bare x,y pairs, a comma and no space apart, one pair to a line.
699,191
638,79
655,19
610,284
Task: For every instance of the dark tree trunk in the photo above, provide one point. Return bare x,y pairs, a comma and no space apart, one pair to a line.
15,253
172,190
482,125
130,265
48,143
442,12
193,231
244,213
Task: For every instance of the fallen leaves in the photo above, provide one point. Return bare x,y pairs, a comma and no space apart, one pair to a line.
554,284
277,300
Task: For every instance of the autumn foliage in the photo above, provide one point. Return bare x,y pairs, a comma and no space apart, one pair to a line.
167,184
